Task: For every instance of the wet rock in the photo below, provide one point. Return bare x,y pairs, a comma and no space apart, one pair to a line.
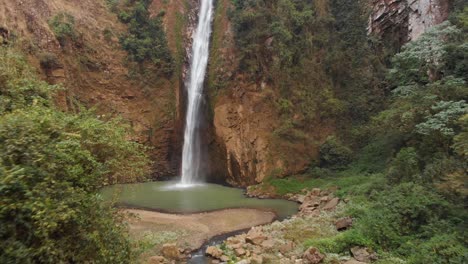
256,259
312,256
344,223
157,260
170,251
214,252
363,254
331,205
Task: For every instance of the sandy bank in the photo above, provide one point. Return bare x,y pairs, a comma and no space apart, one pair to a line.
194,229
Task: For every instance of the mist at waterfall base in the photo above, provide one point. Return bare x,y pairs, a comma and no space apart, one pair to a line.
191,152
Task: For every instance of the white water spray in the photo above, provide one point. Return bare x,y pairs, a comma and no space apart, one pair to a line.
191,156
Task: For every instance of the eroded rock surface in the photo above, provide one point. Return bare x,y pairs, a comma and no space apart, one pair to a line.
406,20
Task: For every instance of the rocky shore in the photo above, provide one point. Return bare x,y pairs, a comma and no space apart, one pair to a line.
284,242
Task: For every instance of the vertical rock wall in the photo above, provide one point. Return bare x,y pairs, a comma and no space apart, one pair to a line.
400,21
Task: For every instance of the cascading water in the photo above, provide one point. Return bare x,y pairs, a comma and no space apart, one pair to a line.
191,156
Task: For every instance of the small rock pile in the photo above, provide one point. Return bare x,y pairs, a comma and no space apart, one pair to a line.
268,244
313,202
171,253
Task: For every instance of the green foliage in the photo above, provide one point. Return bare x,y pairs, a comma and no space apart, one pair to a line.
461,140
426,55
334,154
445,117
19,86
305,49
63,26
340,243
146,40
52,165
405,166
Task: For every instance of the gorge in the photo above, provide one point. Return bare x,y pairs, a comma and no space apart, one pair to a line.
233,131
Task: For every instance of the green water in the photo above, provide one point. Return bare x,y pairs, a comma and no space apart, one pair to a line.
168,197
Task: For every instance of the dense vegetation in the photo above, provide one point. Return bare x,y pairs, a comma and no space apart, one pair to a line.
52,165
145,41
401,150
305,49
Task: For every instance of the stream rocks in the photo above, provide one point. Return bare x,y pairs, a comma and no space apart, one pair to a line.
320,216
363,254
171,251
315,201
214,252
313,256
344,223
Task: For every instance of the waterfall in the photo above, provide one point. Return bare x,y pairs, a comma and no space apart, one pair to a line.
191,154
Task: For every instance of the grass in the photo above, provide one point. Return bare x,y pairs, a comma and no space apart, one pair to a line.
346,183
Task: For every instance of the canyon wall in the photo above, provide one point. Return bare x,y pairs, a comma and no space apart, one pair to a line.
93,70
400,21
244,112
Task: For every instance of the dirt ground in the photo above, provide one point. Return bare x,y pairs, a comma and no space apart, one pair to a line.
193,230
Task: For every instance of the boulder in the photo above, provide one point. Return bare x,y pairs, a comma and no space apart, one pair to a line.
312,256
331,205
315,191
344,223
363,254
239,252
170,251
244,261
300,198
269,243
157,260
310,202
286,248
324,199
255,237
224,258
214,252
256,259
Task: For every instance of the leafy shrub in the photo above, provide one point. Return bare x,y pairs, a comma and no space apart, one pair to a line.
402,213
334,154
52,165
440,249
340,243
405,166
146,40
63,26
19,86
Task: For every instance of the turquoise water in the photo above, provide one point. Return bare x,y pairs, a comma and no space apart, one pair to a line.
170,197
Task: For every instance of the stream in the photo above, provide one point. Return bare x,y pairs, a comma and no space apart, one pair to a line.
172,197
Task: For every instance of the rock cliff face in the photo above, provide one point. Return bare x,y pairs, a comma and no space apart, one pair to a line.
244,118
94,73
244,112
400,21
